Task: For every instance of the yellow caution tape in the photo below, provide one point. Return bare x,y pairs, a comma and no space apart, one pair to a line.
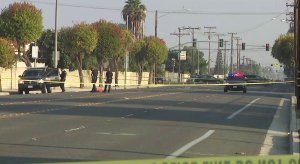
277,159
165,84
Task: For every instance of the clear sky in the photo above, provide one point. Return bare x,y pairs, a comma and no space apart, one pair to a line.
253,20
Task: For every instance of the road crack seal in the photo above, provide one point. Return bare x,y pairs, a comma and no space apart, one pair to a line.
75,129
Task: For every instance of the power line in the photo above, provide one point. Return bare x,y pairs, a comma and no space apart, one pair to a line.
163,11
261,24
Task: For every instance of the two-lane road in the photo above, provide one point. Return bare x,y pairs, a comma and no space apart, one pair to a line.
165,122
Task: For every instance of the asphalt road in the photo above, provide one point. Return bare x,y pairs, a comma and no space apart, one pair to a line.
167,122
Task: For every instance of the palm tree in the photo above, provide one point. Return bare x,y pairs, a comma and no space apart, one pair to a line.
134,14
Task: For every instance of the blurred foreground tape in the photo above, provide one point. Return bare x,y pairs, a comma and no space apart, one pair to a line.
277,159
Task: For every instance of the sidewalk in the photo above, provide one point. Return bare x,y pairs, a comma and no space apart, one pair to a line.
294,128
70,89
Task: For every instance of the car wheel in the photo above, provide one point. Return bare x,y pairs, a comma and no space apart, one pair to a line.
49,89
26,91
20,92
244,91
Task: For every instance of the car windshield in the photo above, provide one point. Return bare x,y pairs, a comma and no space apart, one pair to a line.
33,73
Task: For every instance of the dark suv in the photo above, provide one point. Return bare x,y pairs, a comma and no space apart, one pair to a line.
41,79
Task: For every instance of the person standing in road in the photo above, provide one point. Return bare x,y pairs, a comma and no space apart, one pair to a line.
63,76
94,79
109,77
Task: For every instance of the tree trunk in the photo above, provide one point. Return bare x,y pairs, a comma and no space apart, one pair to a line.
116,61
1,79
140,73
79,64
23,57
101,68
150,81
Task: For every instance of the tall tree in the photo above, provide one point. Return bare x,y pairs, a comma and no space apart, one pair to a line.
156,53
219,68
7,54
126,44
138,55
22,23
134,14
111,46
283,51
46,47
79,41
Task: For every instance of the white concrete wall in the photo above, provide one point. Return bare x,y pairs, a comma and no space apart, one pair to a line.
9,78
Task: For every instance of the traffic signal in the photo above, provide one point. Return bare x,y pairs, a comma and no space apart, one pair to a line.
243,46
173,62
267,47
221,42
194,42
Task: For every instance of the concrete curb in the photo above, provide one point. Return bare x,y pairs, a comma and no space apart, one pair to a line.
75,89
294,126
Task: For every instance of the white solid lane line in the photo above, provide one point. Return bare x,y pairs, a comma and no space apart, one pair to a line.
189,145
116,134
242,109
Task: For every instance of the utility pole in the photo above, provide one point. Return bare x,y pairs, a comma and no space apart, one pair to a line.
209,37
179,35
126,60
225,57
297,51
238,52
156,21
231,56
192,29
55,42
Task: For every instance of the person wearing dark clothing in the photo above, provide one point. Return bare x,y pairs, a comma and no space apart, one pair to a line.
109,77
63,76
94,79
